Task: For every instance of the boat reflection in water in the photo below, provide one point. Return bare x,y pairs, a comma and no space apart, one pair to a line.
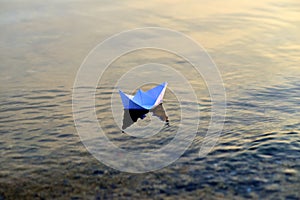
132,115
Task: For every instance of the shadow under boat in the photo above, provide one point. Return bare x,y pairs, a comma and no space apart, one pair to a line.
132,115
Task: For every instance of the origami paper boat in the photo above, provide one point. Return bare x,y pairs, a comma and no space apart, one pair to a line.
144,100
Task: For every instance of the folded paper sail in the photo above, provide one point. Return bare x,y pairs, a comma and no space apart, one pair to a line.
144,100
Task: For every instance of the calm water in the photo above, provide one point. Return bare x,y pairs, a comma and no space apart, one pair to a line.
256,46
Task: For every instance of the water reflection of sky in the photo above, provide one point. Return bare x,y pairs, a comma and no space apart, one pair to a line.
244,36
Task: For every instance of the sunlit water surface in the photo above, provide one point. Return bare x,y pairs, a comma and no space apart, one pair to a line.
256,46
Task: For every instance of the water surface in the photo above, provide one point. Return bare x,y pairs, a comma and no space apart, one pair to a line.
256,46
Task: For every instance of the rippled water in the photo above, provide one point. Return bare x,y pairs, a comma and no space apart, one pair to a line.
256,46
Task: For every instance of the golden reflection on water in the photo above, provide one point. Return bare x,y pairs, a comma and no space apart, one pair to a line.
53,40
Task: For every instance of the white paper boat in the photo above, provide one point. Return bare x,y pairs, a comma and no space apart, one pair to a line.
144,100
